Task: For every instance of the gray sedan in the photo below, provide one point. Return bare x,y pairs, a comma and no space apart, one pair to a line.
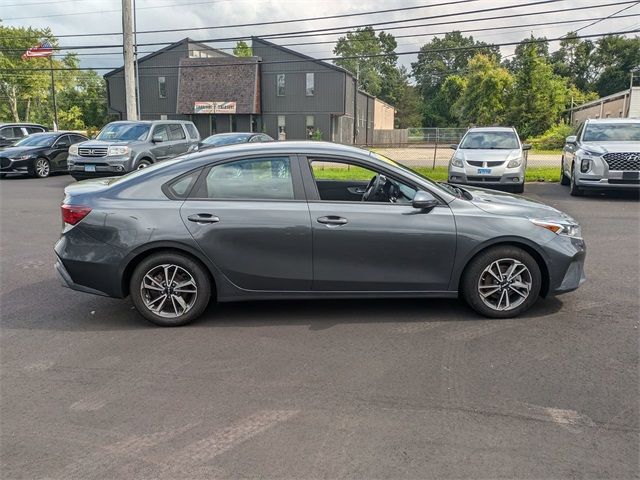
290,220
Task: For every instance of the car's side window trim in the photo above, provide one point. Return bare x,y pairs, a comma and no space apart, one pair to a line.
61,138
311,187
296,179
166,187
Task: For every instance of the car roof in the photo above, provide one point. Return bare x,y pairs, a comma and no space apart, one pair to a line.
287,146
20,124
613,120
231,134
491,129
150,122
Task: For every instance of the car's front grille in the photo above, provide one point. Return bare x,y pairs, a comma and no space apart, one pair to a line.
623,161
4,162
483,179
480,163
92,152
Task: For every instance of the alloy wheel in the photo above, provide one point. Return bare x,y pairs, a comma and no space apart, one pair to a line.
42,167
505,284
168,290
142,165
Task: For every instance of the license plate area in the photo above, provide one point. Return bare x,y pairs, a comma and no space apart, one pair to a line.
484,171
630,175
89,168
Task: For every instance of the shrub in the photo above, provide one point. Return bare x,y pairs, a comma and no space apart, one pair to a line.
552,139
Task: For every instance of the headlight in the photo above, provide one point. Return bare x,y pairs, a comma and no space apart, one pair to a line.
73,150
25,156
516,162
456,161
560,228
591,153
118,150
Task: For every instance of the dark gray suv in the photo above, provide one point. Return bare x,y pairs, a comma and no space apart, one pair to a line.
308,220
124,146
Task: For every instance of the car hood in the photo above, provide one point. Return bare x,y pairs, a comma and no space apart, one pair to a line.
15,151
501,203
488,154
105,143
611,147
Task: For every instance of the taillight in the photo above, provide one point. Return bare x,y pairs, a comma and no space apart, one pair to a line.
72,214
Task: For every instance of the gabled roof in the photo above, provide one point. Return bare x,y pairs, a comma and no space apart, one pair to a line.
301,55
185,41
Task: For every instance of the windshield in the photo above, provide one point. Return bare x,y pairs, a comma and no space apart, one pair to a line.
124,131
490,141
37,140
378,156
612,132
219,140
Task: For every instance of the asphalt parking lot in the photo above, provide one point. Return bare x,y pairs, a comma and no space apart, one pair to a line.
318,389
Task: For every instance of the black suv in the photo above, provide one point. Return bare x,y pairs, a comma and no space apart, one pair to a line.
11,133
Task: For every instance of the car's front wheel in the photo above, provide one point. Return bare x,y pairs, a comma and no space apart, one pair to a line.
170,289
502,282
574,189
40,168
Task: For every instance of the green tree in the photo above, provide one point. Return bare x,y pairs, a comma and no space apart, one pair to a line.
71,119
576,61
484,98
242,49
616,56
514,63
408,108
437,60
539,96
377,75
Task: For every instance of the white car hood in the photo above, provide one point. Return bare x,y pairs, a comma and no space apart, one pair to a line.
486,155
611,147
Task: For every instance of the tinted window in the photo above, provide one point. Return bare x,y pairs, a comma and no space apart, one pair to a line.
193,132
222,139
612,132
77,139
63,140
176,132
38,140
259,178
17,132
255,139
181,187
124,131
162,131
6,132
490,141
34,129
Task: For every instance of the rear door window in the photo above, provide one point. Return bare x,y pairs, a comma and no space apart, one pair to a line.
176,132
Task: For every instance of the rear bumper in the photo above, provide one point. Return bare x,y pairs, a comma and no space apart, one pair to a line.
67,281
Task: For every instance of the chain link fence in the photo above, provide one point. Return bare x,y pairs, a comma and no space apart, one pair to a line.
430,147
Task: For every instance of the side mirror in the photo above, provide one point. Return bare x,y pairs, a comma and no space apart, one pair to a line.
453,146
526,146
157,139
424,200
571,139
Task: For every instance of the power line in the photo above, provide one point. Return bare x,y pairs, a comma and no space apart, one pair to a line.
323,31
422,34
353,57
612,15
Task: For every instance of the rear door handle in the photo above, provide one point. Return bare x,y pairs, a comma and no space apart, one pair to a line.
203,218
332,220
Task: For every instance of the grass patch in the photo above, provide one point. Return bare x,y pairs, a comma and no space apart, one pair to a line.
557,153
439,174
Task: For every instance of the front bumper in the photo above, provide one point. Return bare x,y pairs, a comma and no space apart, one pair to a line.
566,257
500,176
614,181
92,167
8,165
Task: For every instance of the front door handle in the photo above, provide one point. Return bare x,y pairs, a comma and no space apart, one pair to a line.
332,220
203,218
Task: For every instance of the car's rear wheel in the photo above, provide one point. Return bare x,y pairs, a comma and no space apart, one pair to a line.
563,177
40,168
574,189
502,282
170,289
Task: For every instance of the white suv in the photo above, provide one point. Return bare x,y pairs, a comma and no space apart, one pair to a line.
604,154
490,157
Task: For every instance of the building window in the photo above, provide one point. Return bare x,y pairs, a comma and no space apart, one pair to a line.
280,85
162,87
310,126
311,80
282,134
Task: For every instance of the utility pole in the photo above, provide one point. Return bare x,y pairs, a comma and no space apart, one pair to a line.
129,69
135,41
355,103
53,97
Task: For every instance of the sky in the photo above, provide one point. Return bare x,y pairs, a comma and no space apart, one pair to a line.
67,17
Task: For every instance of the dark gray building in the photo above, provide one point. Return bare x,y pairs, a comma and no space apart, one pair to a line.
278,91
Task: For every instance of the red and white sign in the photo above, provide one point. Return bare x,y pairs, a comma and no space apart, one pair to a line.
214,107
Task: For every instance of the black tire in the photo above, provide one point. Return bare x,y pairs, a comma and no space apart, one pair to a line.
41,168
143,163
563,178
518,188
574,189
475,269
193,267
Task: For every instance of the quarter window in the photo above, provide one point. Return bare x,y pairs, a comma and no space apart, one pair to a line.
255,179
310,125
162,87
310,84
193,133
280,83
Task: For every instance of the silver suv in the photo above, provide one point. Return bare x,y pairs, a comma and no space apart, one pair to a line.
121,147
603,154
490,157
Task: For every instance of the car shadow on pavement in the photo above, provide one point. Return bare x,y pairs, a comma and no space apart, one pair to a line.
61,309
